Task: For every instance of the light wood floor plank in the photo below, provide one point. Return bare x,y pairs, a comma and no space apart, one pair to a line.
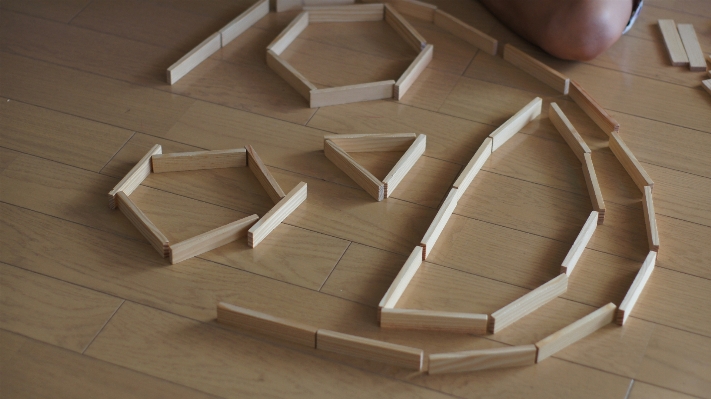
58,11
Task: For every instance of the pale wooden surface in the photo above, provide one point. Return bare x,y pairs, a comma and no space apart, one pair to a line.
88,98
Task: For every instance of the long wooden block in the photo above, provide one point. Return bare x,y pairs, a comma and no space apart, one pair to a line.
349,166
636,288
432,320
483,359
677,54
372,142
516,123
706,84
255,164
352,94
692,47
260,230
474,166
294,29
537,69
523,306
465,32
598,203
440,220
592,108
264,324
404,29
650,219
416,9
630,162
354,13
413,72
586,233
398,286
143,224
210,240
199,160
404,164
193,58
287,72
572,333
370,349
568,131
244,21
135,176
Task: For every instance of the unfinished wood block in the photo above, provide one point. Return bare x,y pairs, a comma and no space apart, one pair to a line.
370,349
413,72
135,176
473,167
636,288
193,58
404,29
287,72
537,69
288,5
349,166
706,84
516,123
294,29
199,160
351,13
260,230
432,320
440,220
630,162
416,9
404,164
143,224
568,131
210,240
594,190
677,54
572,333
692,47
372,142
352,93
244,21
263,175
650,219
592,108
586,233
465,32
264,324
398,286
482,359
525,305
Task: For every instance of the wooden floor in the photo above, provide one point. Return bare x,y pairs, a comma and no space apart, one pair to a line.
88,308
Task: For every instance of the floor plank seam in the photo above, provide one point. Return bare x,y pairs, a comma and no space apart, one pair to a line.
102,327
335,266
117,151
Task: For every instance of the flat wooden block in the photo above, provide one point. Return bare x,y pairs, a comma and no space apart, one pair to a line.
349,166
537,69
706,84
650,219
372,142
575,332
592,108
404,29
413,72
636,288
586,233
268,182
416,9
352,13
630,162
411,319
568,131
516,123
484,359
264,324
193,58
244,21
474,166
403,278
287,72
260,230
143,224
677,54
439,222
210,240
465,32
404,165
594,191
352,94
294,29
692,47
135,176
198,160
370,349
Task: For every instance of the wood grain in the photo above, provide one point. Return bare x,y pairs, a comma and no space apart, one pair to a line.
533,300
433,320
135,176
264,324
485,359
271,220
677,54
638,285
144,225
586,233
270,185
210,240
370,349
537,69
198,160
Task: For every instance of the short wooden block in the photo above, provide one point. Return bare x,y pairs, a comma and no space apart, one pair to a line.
193,58
270,185
372,142
483,359
474,166
413,72
586,233
135,176
415,9
370,349
630,162
210,240
537,69
398,286
706,84
636,288
528,303
650,219
677,54
439,222
287,72
432,320
692,47
404,29
592,108
598,203
351,13
143,224
199,160
568,131
404,165
264,324
465,32
244,21
294,29
516,123
352,94
572,333
349,166
260,230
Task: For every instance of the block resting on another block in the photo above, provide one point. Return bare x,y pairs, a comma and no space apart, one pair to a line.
260,230
568,132
135,176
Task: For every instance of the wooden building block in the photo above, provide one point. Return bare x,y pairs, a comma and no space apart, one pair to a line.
594,190
537,69
568,131
572,333
264,324
636,288
143,224
432,320
210,240
199,160
706,84
352,13
404,29
525,305
348,5
677,54
473,167
294,29
404,164
398,286
415,9
288,5
650,219
349,166
262,174
586,233
244,21
482,359
372,142
260,230
465,32
193,58
692,47
135,176
516,123
413,72
287,72
315,3
592,108
352,93
370,349
630,162
440,220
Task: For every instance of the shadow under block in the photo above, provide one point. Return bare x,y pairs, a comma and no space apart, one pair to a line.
135,176
692,47
432,320
210,240
465,32
473,167
244,21
294,29
370,349
630,162
483,359
372,142
351,94
574,332
260,230
193,58
650,219
404,165
636,288
677,54
270,185
516,123
523,306
568,131
413,72
198,160
404,29
143,224
349,166
403,278
586,233
592,108
264,324
598,203
287,72
537,69
439,222
415,9
348,13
